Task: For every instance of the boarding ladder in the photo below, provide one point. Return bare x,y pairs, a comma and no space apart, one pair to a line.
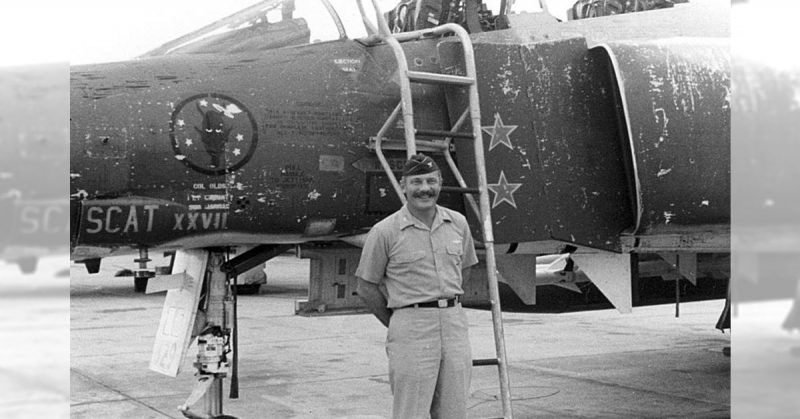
482,208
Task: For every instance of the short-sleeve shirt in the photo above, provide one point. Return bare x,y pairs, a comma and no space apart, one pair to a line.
416,263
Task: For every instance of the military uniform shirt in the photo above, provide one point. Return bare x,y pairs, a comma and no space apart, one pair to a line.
416,263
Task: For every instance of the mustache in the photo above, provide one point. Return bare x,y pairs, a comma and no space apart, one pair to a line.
429,194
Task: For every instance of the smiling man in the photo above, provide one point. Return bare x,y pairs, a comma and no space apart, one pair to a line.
420,254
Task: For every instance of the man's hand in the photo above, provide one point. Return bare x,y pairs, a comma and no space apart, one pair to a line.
372,296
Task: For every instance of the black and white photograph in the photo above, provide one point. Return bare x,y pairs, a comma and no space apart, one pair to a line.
399,209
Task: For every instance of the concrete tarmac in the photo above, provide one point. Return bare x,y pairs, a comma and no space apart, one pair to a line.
572,365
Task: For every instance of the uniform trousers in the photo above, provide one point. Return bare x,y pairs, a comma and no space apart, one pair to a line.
430,362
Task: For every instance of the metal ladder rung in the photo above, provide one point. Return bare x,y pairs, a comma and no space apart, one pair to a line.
460,189
428,146
421,33
444,134
483,362
436,78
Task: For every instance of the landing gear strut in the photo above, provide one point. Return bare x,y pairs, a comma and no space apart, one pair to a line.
201,303
214,342
142,275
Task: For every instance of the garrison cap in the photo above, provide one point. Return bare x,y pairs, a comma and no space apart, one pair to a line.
419,164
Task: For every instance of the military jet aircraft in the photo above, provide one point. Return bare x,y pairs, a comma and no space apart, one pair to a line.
605,140
208,142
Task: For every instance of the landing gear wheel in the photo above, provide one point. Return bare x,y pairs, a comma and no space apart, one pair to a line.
247,289
139,284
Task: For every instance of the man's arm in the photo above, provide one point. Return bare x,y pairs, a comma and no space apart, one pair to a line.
372,296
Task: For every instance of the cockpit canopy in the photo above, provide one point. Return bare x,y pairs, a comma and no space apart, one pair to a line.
273,24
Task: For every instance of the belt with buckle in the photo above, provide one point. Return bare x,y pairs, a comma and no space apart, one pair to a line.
443,303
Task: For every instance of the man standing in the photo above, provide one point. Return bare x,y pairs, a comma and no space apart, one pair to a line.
419,253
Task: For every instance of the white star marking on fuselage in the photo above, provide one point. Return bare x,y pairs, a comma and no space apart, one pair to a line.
504,191
500,133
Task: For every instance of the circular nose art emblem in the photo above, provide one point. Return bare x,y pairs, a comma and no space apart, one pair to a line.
213,134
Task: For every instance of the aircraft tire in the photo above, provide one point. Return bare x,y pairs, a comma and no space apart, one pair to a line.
139,284
247,289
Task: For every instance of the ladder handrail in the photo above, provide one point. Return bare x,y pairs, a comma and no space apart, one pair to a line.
453,168
405,95
382,158
486,222
383,26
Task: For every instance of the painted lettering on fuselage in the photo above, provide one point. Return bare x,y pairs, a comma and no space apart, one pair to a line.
210,196
115,219
197,221
152,218
292,176
305,125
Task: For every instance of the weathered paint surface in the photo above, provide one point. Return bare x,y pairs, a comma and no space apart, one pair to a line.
274,142
676,104
555,163
563,123
260,143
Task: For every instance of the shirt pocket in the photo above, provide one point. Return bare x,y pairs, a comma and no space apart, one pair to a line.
409,257
455,251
